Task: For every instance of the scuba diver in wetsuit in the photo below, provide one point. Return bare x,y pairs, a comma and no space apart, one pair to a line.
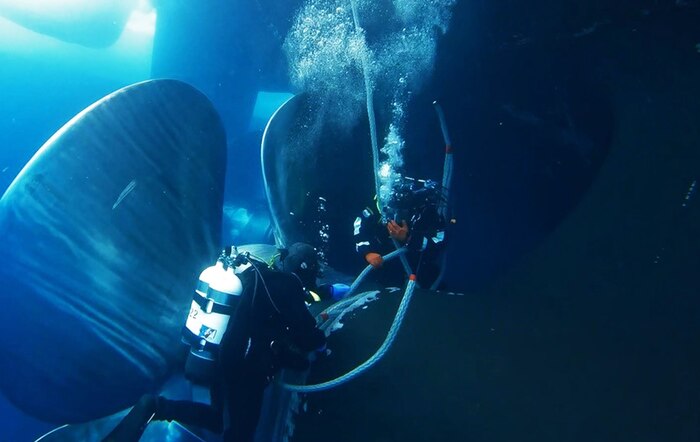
272,329
411,219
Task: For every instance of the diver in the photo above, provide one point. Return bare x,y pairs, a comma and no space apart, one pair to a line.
411,219
272,329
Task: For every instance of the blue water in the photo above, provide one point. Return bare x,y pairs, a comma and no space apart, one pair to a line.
534,97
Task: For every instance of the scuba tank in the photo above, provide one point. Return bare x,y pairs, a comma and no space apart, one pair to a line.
214,302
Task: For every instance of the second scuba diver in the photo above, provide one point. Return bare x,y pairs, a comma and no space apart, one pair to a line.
411,219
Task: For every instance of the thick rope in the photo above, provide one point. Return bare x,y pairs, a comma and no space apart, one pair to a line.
395,326
330,314
369,92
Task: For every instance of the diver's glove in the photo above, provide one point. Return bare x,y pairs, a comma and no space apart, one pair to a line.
396,231
374,259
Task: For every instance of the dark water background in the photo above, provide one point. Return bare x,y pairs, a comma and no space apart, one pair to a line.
537,95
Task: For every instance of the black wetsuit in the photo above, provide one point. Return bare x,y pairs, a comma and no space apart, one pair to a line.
425,243
272,329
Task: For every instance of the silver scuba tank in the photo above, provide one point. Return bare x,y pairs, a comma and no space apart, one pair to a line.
214,302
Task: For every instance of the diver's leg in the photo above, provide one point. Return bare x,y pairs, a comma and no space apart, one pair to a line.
190,413
245,397
132,426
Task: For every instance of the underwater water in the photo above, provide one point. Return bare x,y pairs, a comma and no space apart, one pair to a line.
569,302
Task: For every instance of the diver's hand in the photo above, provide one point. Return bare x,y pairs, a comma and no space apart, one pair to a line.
396,231
374,259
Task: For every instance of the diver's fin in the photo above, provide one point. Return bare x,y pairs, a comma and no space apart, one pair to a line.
134,424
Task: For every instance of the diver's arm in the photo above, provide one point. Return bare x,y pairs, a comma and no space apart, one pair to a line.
302,325
364,232
428,234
